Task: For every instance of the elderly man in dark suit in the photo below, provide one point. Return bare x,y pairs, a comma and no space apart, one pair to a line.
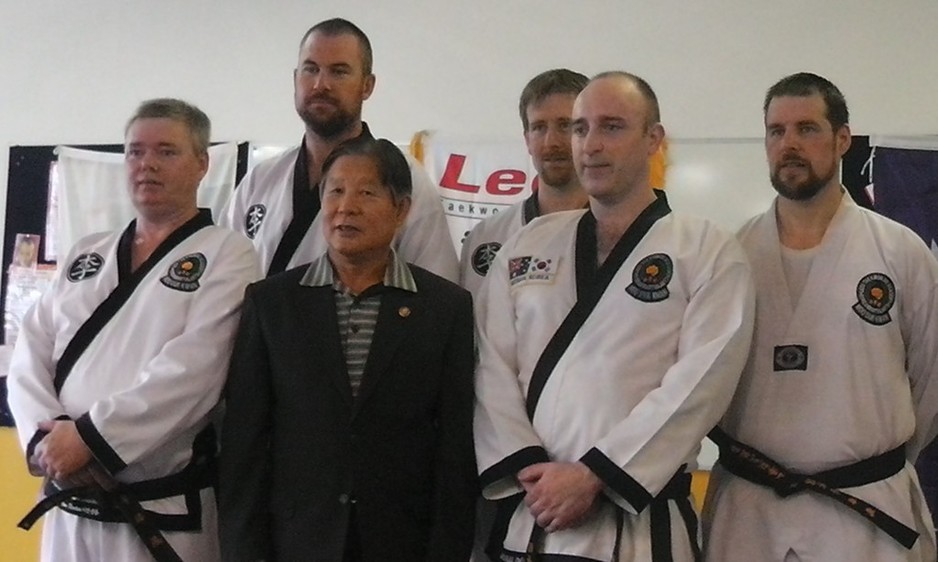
348,432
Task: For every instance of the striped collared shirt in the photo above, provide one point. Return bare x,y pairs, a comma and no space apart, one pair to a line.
358,314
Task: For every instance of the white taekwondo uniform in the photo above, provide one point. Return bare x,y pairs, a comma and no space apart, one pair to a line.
486,238
842,375
647,375
262,207
146,385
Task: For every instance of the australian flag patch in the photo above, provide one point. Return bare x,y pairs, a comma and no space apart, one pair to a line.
531,268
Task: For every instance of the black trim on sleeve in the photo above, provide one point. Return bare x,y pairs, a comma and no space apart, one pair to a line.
510,465
103,452
616,479
31,446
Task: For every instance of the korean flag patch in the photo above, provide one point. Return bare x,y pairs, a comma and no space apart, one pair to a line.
184,274
531,268
85,267
650,278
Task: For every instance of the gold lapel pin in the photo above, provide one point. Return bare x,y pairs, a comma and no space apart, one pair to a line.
403,311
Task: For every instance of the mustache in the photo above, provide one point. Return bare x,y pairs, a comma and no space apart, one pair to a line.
323,97
792,159
555,155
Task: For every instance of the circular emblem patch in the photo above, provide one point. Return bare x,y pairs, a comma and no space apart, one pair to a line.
483,256
84,267
876,293
650,278
184,274
253,219
791,358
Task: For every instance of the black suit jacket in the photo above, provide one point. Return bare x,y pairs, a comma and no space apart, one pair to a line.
298,450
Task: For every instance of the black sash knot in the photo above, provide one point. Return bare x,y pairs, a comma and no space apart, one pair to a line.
754,466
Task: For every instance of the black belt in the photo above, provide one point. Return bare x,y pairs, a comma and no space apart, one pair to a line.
677,489
115,502
750,464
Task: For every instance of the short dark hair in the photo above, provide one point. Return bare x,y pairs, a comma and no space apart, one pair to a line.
805,84
393,170
198,123
556,81
644,88
340,26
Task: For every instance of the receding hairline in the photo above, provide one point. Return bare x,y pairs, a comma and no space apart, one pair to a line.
638,86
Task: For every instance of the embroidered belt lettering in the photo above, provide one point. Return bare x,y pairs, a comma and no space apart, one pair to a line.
754,466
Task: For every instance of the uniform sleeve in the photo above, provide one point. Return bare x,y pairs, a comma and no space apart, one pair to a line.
31,394
919,317
425,240
505,440
638,457
456,486
182,383
244,469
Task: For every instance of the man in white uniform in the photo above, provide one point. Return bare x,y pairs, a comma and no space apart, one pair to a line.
838,394
119,366
277,204
611,339
545,107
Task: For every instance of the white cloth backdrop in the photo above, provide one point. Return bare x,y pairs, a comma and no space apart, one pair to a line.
477,176
92,194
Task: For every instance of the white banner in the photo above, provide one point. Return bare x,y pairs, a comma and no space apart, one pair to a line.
92,190
477,176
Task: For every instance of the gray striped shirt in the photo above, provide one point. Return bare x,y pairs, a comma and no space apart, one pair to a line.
358,314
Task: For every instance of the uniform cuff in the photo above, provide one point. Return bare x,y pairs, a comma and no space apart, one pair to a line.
616,479
512,464
103,452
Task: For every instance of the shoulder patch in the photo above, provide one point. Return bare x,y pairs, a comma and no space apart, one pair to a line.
85,267
184,274
253,219
530,268
876,293
650,278
483,256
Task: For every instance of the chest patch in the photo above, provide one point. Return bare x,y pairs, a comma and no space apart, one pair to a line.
483,256
85,267
184,274
650,278
253,219
790,358
531,268
876,293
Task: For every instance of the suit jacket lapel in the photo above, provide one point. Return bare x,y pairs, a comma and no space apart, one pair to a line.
399,310
320,335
